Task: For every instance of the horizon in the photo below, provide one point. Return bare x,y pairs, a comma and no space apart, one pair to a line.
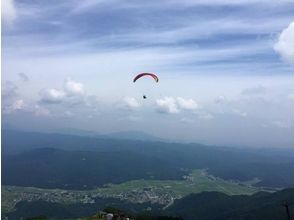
140,136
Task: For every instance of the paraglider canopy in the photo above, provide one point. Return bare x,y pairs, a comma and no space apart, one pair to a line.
146,74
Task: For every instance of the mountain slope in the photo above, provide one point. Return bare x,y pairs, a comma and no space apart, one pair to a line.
215,205
55,168
28,154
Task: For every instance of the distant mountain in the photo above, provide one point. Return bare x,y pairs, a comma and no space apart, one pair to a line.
133,135
124,135
59,160
75,131
55,168
219,206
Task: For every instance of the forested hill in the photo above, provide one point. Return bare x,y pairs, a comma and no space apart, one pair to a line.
219,206
54,161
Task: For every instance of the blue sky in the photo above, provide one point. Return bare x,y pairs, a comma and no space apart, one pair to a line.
225,68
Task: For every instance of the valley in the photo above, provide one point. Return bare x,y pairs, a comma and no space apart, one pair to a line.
161,192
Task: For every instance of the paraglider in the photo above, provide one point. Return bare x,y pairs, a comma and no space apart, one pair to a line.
143,75
146,74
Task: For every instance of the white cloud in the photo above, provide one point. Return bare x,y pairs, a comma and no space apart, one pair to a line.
175,105
131,102
187,104
285,44
52,96
72,87
72,93
8,11
167,105
18,104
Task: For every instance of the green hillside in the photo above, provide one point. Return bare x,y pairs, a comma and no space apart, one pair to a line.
74,162
219,206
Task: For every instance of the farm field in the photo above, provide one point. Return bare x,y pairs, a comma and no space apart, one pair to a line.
162,192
